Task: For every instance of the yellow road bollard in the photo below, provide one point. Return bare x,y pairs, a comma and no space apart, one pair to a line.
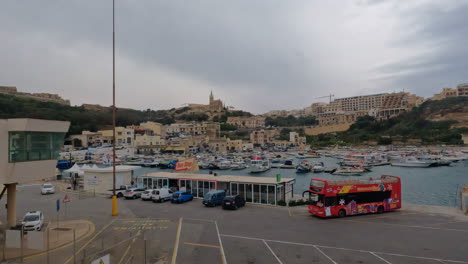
114,206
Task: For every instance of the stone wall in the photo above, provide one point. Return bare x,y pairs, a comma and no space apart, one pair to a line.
311,131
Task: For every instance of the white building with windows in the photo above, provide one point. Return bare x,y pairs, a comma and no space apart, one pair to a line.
29,152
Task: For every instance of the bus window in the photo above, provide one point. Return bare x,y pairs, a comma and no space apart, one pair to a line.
330,201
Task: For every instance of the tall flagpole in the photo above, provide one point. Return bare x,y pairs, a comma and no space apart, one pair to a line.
114,198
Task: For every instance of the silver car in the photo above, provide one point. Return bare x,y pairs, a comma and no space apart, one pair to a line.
47,188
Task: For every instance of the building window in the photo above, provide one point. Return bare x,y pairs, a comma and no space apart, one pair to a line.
31,146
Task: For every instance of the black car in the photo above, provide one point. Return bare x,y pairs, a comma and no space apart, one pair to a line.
233,202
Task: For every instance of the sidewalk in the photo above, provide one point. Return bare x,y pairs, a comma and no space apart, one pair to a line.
433,209
59,237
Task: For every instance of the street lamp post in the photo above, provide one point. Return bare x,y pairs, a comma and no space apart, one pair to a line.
114,198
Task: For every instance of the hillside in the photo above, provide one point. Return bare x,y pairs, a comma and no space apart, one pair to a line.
95,117
434,122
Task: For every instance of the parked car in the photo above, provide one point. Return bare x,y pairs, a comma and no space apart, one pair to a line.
47,188
181,196
33,221
133,193
161,195
120,191
233,202
146,195
214,198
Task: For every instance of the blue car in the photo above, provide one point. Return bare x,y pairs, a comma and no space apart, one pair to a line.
181,196
213,198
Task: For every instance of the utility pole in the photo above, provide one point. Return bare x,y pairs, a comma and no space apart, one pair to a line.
114,198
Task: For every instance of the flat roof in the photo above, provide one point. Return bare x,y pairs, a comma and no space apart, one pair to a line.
221,178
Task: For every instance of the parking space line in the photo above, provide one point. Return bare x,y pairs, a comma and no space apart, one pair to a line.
176,243
201,245
349,249
379,257
271,250
129,246
323,253
91,240
223,256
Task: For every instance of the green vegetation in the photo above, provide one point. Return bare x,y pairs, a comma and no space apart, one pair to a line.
284,133
290,120
228,127
409,125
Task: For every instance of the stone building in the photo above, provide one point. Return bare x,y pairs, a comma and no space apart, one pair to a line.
247,122
262,137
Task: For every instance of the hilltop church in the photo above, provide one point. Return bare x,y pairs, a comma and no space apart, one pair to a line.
214,108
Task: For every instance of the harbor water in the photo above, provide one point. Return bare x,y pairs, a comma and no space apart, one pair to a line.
430,186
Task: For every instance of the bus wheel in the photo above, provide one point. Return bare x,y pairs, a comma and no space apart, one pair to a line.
342,213
380,209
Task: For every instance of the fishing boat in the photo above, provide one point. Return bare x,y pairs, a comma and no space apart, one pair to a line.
259,165
303,167
224,165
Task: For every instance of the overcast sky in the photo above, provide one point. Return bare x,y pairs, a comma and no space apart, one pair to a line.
256,55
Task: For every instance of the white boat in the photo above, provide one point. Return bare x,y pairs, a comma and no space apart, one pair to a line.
288,164
224,165
349,171
258,165
412,162
238,165
318,167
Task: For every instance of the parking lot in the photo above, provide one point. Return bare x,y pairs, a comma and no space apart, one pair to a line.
191,233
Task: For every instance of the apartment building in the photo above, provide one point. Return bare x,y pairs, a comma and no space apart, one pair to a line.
247,122
262,137
462,89
195,128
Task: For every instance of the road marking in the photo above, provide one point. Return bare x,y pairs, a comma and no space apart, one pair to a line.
90,231
130,245
323,253
176,244
384,260
271,250
221,245
349,249
201,245
195,219
91,240
414,226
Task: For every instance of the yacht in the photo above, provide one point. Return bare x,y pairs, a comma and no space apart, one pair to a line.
349,171
238,165
318,167
412,162
288,164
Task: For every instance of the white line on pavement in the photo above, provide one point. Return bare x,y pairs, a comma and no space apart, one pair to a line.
220,244
271,250
350,249
196,219
323,253
384,260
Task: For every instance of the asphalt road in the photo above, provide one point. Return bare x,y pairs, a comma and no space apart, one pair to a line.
191,233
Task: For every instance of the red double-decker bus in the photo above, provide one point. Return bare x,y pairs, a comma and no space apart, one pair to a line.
354,196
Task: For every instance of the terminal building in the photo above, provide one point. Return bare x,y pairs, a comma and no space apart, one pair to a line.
29,149
256,190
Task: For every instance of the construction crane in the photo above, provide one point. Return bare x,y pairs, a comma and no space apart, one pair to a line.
329,96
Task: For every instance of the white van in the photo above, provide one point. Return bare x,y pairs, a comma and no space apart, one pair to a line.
161,195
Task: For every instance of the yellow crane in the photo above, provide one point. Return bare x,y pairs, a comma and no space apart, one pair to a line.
329,96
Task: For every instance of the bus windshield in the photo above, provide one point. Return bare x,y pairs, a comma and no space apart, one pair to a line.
315,198
316,183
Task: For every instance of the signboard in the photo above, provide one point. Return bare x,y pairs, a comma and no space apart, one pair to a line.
58,205
278,177
93,180
66,199
189,164
102,260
